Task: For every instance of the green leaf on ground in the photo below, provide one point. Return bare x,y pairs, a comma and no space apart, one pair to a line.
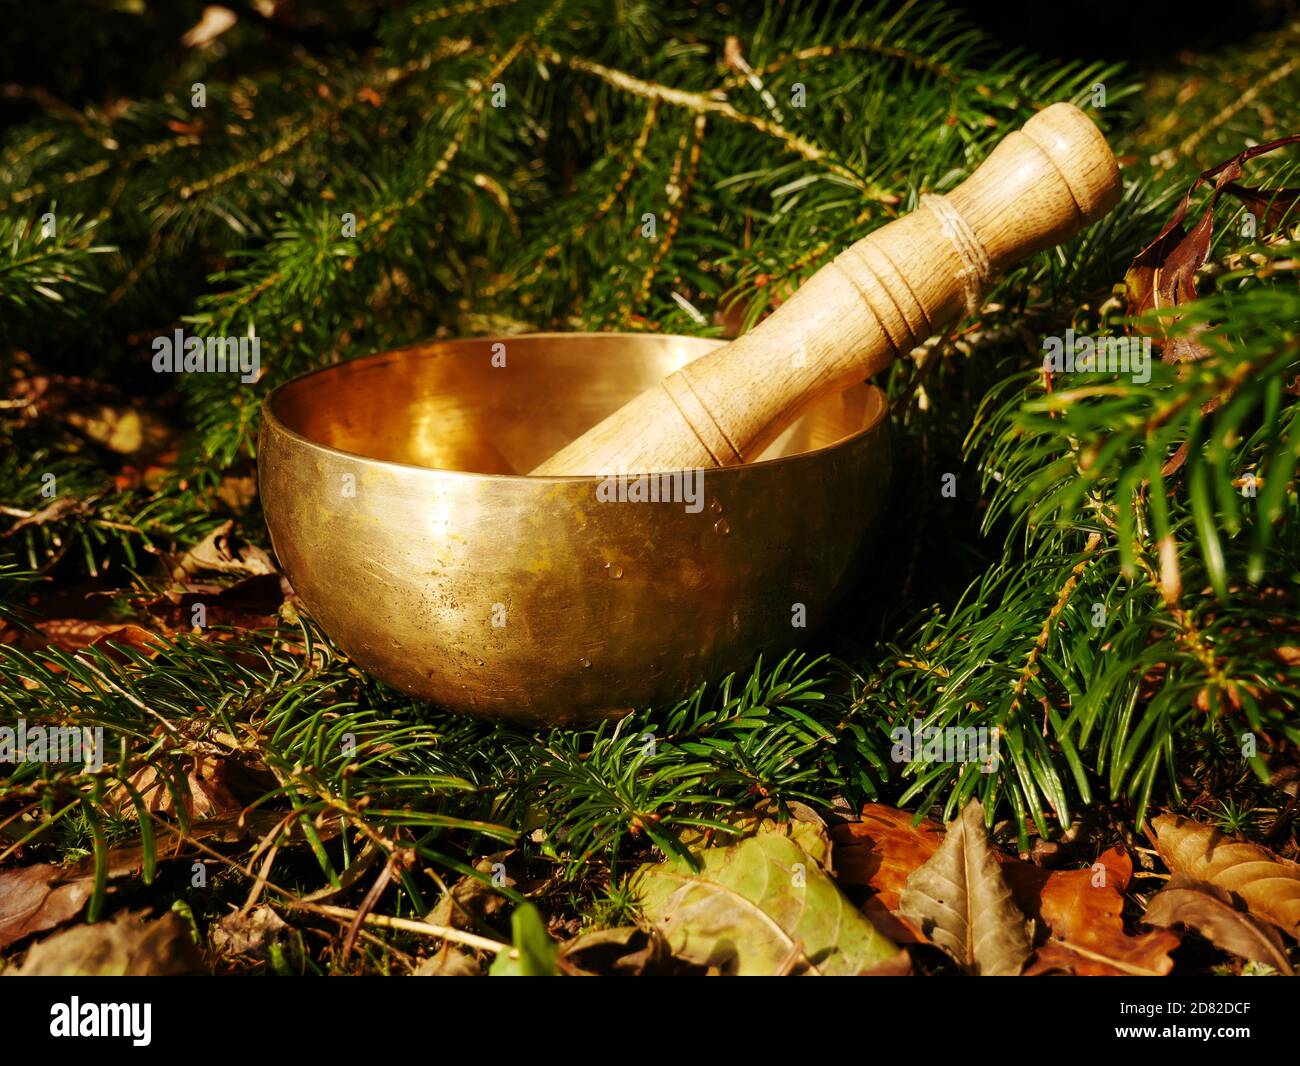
763,906
798,821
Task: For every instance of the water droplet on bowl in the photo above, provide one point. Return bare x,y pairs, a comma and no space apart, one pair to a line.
615,572
584,662
721,527
715,506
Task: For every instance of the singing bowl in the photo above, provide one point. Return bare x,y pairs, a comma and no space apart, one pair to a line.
392,491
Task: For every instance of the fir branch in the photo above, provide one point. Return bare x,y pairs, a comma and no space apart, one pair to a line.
703,104
45,269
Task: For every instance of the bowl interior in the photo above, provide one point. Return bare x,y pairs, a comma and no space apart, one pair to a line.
450,405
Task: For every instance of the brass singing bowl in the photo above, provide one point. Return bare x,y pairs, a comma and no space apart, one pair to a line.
392,490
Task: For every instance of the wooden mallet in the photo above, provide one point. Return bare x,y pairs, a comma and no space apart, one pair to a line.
878,299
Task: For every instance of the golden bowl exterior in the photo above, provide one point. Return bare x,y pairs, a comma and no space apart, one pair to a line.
391,489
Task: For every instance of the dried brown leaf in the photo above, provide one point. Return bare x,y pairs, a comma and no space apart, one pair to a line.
1163,274
76,634
449,962
206,789
628,951
1267,885
1082,911
1081,916
473,901
40,897
223,552
248,933
961,901
882,849
127,946
1210,910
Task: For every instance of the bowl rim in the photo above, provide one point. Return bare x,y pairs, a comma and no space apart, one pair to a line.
272,422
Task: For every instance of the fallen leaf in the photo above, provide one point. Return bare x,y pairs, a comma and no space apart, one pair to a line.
127,946
628,951
1209,909
75,634
1083,912
1269,206
1163,274
36,898
247,933
449,962
40,897
223,552
882,848
961,901
473,901
763,906
1267,885
801,823
1084,925
205,789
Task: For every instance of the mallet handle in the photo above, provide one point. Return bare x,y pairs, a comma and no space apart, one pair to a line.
877,300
